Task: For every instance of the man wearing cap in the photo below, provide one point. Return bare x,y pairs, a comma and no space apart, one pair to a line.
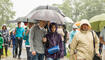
73,32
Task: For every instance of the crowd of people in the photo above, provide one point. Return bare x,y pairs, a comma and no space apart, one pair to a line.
44,37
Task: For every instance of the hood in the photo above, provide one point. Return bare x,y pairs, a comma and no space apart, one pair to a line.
52,25
85,21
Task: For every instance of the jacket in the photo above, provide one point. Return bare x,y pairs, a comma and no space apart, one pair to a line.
83,44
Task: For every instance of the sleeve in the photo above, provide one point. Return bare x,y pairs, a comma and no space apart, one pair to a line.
1,42
8,36
61,47
73,45
71,37
31,38
23,31
97,41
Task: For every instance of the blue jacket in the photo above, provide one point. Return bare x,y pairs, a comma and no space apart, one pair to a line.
72,33
26,37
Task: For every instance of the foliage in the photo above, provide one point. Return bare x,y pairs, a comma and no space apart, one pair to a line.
6,12
82,9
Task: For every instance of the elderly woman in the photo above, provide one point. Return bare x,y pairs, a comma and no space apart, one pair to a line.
83,43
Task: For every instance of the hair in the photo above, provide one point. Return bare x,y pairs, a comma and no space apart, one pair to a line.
3,27
52,25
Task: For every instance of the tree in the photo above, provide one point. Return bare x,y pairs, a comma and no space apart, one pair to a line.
82,9
6,12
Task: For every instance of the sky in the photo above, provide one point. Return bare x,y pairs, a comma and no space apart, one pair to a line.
23,7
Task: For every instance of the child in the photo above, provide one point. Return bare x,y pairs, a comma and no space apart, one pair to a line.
1,43
13,38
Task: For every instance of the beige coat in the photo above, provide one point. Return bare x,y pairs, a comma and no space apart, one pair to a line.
83,44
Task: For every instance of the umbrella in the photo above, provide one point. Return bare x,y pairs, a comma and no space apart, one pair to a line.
46,15
97,22
68,20
48,8
21,19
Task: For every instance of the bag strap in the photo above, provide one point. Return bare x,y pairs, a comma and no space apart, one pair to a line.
93,41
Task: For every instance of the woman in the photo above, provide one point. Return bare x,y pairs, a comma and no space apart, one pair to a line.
52,39
26,39
5,35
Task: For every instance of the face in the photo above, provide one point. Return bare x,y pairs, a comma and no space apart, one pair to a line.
74,29
53,28
19,24
4,27
84,27
30,25
42,23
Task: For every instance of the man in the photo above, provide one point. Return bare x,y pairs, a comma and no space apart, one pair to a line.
83,43
35,37
102,40
19,32
73,32
26,39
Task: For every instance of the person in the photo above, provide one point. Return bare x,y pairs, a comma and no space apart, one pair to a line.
102,40
26,39
13,39
73,32
47,27
61,32
19,32
35,38
5,35
1,43
52,39
66,38
83,43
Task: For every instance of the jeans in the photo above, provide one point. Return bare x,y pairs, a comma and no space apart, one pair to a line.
28,53
13,50
18,45
65,53
38,57
6,49
52,59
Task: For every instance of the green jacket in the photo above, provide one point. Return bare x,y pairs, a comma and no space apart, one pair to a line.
1,42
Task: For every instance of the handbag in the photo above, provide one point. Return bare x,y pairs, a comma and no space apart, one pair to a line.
95,57
53,49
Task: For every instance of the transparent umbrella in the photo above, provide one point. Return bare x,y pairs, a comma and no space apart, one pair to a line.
46,15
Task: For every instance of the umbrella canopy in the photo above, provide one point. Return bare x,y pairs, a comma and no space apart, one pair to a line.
47,15
48,8
68,20
21,19
98,22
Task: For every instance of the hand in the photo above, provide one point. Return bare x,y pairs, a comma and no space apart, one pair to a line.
99,55
33,53
44,40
